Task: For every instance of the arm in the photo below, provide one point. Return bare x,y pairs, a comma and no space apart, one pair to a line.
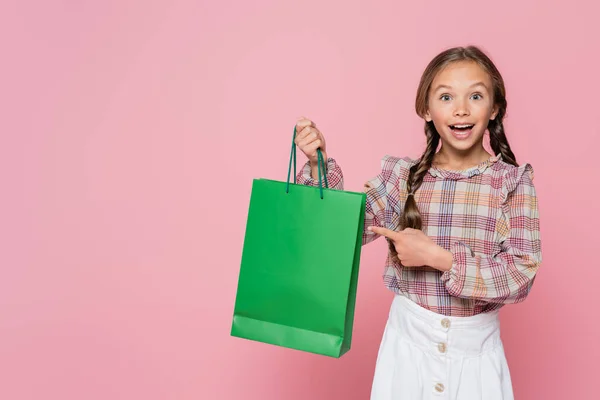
383,197
334,174
505,277
376,204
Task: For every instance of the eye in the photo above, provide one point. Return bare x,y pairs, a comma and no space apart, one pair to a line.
476,96
445,97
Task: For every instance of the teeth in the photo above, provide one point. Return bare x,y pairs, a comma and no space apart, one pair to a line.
462,126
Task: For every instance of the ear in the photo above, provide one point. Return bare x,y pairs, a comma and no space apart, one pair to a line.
494,113
427,116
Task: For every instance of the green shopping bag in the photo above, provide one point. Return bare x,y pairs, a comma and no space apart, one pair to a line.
300,261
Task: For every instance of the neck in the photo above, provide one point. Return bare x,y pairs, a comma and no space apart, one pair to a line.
459,160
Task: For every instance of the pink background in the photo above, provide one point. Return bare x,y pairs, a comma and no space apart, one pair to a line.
132,130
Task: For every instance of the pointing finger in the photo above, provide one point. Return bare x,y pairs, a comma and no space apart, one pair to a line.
384,232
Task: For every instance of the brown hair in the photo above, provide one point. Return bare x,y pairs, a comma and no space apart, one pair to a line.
411,217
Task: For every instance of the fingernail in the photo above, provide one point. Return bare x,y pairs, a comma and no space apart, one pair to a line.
369,228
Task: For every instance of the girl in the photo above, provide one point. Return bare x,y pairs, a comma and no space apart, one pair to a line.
463,233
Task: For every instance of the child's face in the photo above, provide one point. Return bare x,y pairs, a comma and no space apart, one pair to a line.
461,105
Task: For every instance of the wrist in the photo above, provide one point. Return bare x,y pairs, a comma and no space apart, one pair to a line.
315,163
314,167
441,259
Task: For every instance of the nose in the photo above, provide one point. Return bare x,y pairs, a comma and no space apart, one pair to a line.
462,109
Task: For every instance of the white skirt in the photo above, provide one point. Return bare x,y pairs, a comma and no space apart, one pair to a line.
424,355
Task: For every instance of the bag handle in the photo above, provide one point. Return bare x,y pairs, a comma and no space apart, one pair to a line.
321,163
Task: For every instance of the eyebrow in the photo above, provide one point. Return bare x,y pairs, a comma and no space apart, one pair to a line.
450,87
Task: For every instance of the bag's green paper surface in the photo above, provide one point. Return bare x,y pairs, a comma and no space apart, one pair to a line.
299,270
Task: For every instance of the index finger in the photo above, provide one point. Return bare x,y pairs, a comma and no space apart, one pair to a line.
388,233
303,123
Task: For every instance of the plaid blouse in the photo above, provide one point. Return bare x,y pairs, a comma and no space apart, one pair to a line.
486,216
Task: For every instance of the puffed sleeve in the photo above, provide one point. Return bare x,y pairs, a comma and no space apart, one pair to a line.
505,277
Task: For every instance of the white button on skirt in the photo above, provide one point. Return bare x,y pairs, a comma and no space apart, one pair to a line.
424,355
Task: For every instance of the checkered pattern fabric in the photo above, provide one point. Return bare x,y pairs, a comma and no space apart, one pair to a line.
487,216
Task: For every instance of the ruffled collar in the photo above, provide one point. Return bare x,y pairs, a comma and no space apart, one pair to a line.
467,173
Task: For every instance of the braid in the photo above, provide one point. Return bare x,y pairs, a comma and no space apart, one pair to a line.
498,141
411,217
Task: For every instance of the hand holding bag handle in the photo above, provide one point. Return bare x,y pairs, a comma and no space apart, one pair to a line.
321,163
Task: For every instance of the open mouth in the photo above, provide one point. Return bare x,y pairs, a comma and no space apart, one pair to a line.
461,128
